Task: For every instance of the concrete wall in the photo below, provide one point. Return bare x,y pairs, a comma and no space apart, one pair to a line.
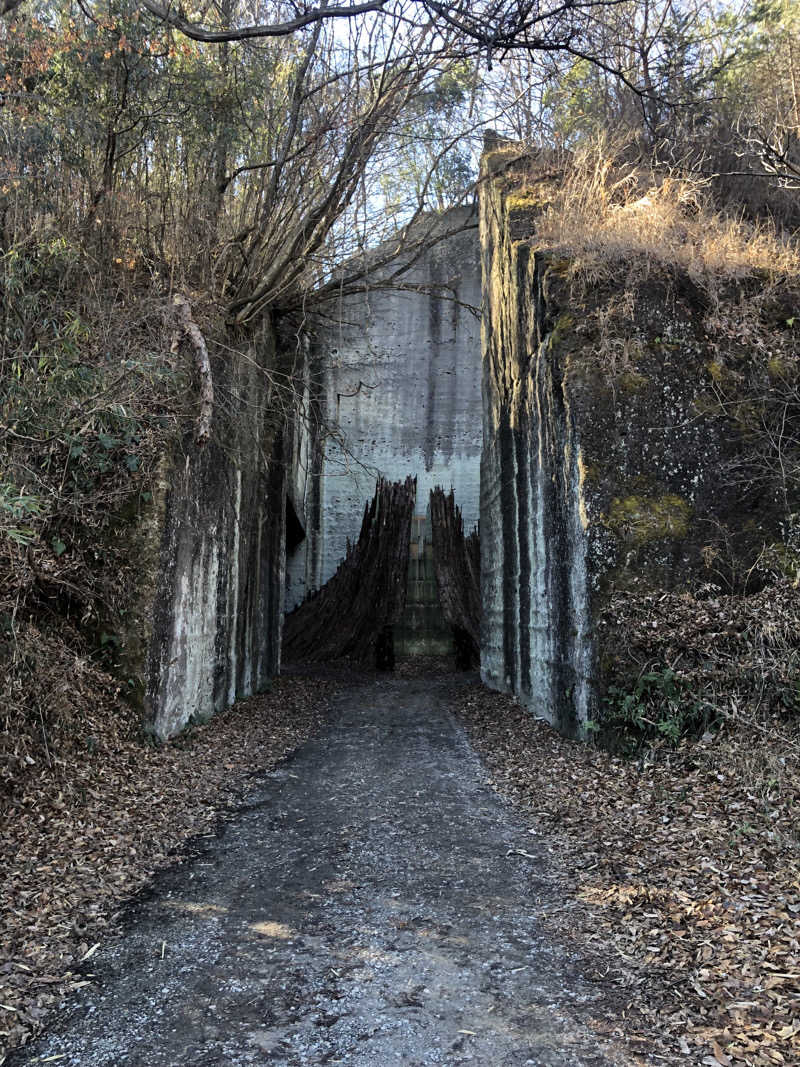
602,474
536,639
214,589
399,379
248,524
423,629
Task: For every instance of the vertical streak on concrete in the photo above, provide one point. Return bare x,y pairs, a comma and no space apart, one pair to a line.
491,512
541,633
217,606
435,344
191,650
509,510
526,560
536,636
579,623
400,381
233,590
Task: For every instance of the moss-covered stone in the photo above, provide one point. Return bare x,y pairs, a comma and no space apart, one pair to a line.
721,374
639,519
531,199
707,404
561,328
631,381
497,159
615,419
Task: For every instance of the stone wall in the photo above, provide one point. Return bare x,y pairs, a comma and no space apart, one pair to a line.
536,638
399,382
605,457
261,515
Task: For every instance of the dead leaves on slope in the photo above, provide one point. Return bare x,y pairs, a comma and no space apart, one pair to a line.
686,867
80,840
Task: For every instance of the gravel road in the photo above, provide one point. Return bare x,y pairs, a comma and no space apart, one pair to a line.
373,903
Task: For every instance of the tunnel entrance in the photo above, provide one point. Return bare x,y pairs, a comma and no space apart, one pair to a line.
422,629
408,588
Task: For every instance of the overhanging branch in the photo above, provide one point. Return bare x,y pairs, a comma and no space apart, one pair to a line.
188,328
276,29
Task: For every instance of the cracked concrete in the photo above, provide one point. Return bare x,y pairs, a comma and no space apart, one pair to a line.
365,906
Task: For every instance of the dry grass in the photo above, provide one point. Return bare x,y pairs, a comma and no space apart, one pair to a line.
603,211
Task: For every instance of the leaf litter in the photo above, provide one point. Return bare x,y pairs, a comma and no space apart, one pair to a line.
680,873
680,869
81,836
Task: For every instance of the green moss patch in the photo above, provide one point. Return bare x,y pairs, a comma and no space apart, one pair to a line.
630,381
724,376
639,519
780,368
526,200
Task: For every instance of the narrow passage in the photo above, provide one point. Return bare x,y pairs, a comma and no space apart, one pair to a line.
368,905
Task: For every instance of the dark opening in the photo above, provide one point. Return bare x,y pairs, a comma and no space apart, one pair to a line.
384,649
295,533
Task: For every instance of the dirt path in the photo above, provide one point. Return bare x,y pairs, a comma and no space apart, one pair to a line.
368,905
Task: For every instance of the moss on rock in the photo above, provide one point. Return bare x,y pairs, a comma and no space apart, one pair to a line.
497,159
640,519
526,200
630,381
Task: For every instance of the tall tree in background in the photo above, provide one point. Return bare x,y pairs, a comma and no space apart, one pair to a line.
246,148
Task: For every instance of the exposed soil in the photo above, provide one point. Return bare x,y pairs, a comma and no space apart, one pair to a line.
373,901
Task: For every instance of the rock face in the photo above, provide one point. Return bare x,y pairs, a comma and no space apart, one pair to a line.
399,376
604,462
213,554
536,638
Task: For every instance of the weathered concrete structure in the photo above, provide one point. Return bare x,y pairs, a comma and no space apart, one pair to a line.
593,476
598,476
208,613
399,383
423,629
249,523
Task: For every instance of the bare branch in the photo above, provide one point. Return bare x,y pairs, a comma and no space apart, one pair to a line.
189,329
245,33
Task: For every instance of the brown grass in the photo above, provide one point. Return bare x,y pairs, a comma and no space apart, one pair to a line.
604,211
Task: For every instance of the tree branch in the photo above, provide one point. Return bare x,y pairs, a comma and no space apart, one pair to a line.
189,329
245,33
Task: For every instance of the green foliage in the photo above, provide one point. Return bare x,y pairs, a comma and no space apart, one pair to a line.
18,507
90,396
574,103
658,707
719,96
427,162
67,395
